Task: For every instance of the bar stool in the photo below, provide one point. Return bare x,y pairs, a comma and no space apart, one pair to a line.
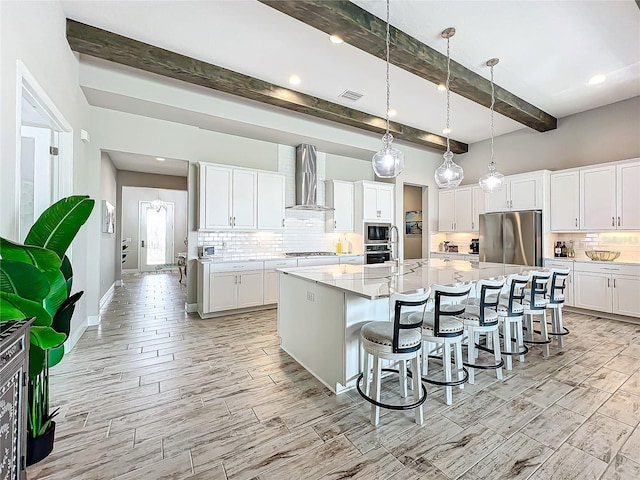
510,313
535,303
556,302
443,328
398,340
481,318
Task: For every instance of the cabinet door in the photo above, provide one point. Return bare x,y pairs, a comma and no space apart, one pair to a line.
270,201
245,187
526,193
385,203
565,201
628,197
499,201
568,291
370,200
250,289
446,210
592,291
479,207
463,209
270,291
343,204
626,300
598,198
215,197
223,288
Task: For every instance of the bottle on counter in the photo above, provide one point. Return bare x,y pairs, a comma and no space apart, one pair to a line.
557,251
571,253
563,250
339,246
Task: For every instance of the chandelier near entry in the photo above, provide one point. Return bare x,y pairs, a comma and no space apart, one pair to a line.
388,162
158,204
492,180
449,174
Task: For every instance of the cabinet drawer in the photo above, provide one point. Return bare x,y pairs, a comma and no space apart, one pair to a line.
236,266
352,260
558,264
610,268
284,263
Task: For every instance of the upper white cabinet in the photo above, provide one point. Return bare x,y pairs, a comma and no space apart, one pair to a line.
565,201
227,198
459,209
373,201
339,196
519,192
270,201
610,197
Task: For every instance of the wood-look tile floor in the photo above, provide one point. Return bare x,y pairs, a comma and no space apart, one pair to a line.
154,393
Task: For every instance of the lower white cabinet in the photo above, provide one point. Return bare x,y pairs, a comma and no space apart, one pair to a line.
271,279
351,259
228,290
321,260
569,282
608,288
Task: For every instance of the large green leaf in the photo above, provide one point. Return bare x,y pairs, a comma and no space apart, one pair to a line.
67,271
24,280
46,337
62,319
36,360
39,257
13,307
59,224
55,355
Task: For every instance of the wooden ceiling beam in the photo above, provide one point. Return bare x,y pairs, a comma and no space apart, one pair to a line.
116,48
365,31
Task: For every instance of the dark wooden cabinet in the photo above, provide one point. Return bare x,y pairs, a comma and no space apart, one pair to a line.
14,354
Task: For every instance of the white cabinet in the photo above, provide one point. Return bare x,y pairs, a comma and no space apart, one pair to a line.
373,201
446,210
565,201
320,260
459,209
610,197
250,286
568,284
271,280
227,286
270,201
351,259
339,196
227,198
519,192
608,288
479,207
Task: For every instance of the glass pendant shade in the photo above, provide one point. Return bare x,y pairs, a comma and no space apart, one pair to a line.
492,180
388,162
449,174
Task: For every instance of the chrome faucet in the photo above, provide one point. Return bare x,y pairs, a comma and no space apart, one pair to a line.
393,244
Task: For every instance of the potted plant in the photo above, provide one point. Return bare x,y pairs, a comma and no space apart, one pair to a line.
35,282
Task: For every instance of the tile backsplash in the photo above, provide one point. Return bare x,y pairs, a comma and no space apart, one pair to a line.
462,240
304,231
627,243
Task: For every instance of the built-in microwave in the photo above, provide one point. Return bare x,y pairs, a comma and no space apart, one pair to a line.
376,233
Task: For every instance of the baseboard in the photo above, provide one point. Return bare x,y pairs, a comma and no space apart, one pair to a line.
74,337
190,307
609,316
93,320
118,283
107,296
130,270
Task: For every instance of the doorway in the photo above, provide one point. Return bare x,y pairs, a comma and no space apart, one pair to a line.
156,228
413,221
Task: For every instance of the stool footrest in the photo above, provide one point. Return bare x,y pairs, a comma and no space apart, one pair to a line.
452,383
389,406
556,334
524,350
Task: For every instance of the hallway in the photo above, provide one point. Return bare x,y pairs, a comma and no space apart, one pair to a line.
154,393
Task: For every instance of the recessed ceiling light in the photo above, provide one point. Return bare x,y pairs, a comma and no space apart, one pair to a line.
442,87
596,79
294,80
335,39
446,131
392,112
160,159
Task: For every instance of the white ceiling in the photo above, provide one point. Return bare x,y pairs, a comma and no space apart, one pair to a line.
547,51
144,163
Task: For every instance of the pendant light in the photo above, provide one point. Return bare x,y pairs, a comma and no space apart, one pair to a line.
448,175
492,180
389,161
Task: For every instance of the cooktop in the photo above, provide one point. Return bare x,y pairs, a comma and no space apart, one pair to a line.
308,254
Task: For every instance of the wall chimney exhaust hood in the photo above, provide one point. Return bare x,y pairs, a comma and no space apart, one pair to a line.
307,179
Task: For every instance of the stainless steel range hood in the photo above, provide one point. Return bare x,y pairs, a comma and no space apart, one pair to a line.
307,179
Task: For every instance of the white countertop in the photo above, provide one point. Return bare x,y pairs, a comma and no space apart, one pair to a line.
588,260
270,256
379,280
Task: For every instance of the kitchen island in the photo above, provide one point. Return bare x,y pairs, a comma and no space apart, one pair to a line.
321,309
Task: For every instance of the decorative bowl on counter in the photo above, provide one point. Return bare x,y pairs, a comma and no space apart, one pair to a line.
602,255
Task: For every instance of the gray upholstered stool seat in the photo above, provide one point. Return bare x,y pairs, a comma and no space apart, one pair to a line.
447,324
539,302
503,308
472,315
382,334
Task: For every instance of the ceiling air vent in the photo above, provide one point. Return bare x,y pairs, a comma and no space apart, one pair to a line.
351,95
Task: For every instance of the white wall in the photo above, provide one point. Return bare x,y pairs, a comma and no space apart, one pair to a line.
34,32
109,242
604,134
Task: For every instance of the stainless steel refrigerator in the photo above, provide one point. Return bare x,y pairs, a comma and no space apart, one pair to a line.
511,237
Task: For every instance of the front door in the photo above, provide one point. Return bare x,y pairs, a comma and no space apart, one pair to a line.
156,235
